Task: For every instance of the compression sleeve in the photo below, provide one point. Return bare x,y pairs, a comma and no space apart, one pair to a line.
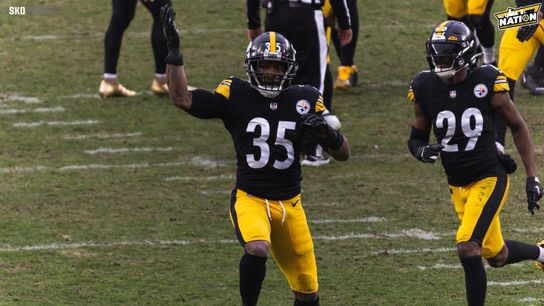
340,8
253,16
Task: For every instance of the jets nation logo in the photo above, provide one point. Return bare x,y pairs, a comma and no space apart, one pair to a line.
480,90
303,107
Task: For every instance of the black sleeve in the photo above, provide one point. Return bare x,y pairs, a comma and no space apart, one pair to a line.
207,105
253,16
340,8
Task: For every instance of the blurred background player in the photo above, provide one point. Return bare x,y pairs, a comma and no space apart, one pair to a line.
347,71
303,24
517,47
533,77
122,14
475,14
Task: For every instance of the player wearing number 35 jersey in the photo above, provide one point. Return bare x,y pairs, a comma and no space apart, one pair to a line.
459,102
267,118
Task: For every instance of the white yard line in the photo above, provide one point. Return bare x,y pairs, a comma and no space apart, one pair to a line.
81,96
515,283
199,178
441,266
411,251
358,220
52,123
102,136
19,98
127,150
9,111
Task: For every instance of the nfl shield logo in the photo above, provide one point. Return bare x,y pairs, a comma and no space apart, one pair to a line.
453,94
274,106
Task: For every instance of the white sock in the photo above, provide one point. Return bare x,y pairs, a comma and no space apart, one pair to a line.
110,76
541,256
489,54
160,76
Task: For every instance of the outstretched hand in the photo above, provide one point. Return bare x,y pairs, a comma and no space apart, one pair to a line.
168,18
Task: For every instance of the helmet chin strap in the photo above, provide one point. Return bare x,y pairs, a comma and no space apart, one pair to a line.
444,73
268,93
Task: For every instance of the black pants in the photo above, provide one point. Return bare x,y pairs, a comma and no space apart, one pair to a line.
347,52
304,27
123,12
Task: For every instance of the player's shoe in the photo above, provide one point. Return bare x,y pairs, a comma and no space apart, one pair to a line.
539,264
159,87
315,161
533,80
343,81
354,76
112,88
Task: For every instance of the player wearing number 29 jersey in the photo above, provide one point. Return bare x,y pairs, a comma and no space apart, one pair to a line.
459,102
463,121
267,118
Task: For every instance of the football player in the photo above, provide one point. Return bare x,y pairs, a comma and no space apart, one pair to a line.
459,103
267,118
475,14
518,45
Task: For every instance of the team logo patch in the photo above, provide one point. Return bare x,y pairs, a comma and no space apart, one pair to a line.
480,90
453,94
303,107
273,106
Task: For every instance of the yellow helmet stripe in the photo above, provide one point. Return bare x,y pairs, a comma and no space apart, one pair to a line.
272,42
441,26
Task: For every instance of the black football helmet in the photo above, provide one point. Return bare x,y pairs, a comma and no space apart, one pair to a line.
270,48
450,48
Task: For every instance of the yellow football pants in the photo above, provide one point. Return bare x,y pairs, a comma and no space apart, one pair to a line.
478,206
515,55
283,224
460,8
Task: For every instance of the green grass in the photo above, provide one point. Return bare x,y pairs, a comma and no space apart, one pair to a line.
52,56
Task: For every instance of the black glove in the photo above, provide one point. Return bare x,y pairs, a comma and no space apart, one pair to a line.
168,18
534,193
526,32
429,153
507,162
324,134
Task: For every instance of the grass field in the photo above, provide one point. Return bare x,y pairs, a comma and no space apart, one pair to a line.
85,221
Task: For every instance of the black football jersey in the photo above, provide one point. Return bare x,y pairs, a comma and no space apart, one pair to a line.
463,121
266,133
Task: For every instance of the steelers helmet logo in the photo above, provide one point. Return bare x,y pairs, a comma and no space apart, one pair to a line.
303,107
480,90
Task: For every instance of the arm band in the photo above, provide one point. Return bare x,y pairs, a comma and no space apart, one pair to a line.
174,58
418,139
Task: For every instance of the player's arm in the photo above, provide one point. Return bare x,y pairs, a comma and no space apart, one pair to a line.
175,74
505,108
418,143
253,19
330,139
341,11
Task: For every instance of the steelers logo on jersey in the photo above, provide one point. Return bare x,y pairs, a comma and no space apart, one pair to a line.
480,90
303,107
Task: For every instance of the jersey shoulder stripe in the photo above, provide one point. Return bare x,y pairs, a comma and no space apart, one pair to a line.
224,88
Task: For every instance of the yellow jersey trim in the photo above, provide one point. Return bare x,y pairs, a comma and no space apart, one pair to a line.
224,88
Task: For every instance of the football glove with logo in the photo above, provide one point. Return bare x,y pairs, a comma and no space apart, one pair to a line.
168,18
325,135
428,153
534,193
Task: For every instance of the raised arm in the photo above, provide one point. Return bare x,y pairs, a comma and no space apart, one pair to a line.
175,74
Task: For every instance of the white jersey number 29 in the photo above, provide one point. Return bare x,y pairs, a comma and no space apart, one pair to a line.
448,117
261,143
